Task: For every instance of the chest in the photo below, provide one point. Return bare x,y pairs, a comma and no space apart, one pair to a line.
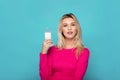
64,61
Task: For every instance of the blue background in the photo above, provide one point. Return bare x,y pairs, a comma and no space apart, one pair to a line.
22,26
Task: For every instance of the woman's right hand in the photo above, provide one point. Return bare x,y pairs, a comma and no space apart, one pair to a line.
46,45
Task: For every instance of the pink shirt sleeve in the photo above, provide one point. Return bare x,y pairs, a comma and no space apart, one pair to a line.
82,64
45,66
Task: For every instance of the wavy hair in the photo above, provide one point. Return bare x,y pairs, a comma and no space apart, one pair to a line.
78,37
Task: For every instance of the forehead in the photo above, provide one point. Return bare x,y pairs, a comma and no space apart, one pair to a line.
68,20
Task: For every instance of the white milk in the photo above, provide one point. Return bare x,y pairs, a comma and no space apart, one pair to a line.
47,35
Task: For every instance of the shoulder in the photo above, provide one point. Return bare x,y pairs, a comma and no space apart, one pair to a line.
52,49
85,51
84,55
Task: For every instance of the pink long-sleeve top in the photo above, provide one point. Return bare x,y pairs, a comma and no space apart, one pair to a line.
63,64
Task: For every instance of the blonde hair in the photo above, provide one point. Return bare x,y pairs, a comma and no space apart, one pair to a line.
78,37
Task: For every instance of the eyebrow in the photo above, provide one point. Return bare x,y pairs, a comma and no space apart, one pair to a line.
73,22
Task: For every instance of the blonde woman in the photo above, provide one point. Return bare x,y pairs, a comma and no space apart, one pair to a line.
68,60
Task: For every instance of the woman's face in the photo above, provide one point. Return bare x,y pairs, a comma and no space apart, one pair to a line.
69,28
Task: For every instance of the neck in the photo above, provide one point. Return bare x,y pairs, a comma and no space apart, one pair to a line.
69,43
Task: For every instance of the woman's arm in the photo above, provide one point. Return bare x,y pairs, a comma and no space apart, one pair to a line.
82,64
45,70
45,60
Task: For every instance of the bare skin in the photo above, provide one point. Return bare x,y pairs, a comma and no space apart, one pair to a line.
69,30
46,45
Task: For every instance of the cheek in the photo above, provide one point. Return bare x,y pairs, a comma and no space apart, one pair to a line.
64,30
75,30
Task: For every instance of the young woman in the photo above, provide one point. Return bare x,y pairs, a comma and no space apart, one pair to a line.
68,60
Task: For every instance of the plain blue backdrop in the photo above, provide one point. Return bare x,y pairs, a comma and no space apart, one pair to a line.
22,26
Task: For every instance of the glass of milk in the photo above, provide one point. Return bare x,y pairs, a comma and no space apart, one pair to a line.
47,33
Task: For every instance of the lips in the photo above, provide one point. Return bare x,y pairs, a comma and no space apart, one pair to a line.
70,32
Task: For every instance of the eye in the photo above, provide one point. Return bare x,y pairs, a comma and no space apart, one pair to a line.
73,24
65,25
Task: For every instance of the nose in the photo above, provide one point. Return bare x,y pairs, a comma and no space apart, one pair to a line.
69,28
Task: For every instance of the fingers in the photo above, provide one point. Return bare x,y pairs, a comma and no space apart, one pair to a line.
46,45
48,41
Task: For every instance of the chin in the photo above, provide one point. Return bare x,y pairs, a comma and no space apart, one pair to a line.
71,37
